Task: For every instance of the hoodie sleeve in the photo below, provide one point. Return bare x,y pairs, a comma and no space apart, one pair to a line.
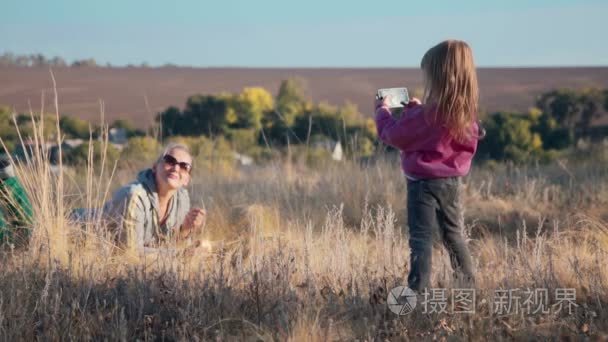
127,210
132,227
407,133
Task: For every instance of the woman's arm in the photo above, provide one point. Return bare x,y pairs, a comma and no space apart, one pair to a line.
127,213
194,221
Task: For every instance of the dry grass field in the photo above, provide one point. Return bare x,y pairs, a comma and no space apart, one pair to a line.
140,93
296,253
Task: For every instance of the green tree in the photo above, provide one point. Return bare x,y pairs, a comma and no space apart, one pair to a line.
141,148
553,136
171,121
253,104
8,133
206,114
291,99
510,137
322,119
561,105
128,126
591,102
74,127
90,62
79,155
46,123
289,104
571,110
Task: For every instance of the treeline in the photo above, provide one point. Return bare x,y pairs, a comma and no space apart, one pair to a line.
258,124
39,60
80,137
255,119
71,127
253,122
559,120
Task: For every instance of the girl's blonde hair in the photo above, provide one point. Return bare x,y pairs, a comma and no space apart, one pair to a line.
451,84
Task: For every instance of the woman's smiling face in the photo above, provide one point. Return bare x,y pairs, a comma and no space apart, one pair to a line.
173,170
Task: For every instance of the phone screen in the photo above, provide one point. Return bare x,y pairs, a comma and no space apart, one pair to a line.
397,96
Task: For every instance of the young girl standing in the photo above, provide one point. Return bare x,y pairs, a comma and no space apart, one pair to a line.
437,140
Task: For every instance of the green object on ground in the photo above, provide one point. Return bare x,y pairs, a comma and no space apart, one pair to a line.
15,210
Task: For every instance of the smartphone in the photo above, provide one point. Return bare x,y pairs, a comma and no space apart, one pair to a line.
398,96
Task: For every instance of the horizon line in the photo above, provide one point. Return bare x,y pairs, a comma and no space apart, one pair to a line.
176,66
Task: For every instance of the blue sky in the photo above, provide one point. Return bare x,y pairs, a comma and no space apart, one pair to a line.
310,33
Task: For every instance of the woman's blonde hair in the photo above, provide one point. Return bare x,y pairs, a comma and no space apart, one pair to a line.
173,146
451,84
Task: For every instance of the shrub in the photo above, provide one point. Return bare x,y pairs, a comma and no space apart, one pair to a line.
144,149
79,155
510,137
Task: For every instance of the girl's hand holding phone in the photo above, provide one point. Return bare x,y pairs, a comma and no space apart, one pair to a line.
412,103
382,102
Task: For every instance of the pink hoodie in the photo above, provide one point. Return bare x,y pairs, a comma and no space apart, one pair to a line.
427,150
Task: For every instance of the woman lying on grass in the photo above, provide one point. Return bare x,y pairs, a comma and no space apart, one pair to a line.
155,208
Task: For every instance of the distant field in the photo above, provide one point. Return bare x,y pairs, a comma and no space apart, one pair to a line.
124,90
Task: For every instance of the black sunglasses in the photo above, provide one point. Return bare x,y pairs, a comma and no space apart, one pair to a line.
170,160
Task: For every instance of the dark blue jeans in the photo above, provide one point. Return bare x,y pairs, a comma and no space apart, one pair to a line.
435,204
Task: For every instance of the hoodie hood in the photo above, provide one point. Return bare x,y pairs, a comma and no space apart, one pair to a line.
147,179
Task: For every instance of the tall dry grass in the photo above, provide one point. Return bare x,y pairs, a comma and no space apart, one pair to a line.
294,253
